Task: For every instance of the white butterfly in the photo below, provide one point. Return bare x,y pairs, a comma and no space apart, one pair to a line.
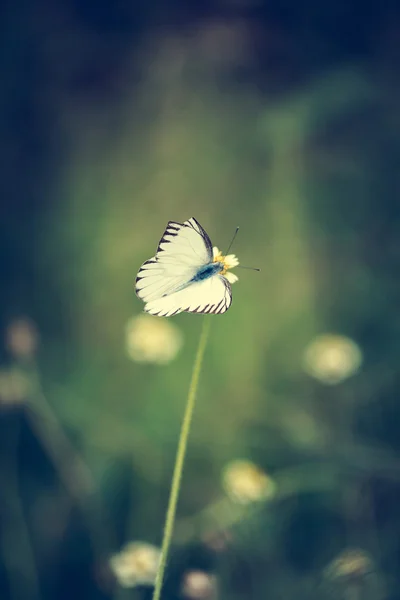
186,274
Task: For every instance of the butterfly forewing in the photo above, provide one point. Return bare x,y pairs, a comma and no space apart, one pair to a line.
199,229
184,244
155,280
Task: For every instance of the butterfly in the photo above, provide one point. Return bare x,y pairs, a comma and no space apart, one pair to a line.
186,274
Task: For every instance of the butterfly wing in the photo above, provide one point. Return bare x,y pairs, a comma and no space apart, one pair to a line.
183,248
185,243
210,296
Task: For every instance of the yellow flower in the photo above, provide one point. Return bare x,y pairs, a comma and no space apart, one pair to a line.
199,585
152,340
136,564
229,262
352,563
245,482
332,358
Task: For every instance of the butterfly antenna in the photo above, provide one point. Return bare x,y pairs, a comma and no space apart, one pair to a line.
230,246
243,267
232,240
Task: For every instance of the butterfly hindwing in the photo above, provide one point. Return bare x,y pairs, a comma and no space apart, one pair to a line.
211,296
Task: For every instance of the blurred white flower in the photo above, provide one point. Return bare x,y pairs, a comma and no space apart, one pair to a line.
152,340
245,482
353,574
332,358
136,564
217,540
351,564
14,387
199,585
22,338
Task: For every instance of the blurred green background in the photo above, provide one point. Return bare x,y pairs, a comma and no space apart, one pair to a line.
281,117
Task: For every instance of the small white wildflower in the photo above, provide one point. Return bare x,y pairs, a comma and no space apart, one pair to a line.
352,563
22,338
229,262
199,585
245,482
353,573
136,564
151,340
332,358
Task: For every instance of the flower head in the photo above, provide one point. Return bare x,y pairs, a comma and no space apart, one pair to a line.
22,338
199,585
353,573
332,358
245,482
352,563
228,262
152,340
136,564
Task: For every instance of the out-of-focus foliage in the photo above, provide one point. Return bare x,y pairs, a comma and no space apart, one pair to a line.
282,118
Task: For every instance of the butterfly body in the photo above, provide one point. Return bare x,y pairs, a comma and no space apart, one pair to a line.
207,271
186,274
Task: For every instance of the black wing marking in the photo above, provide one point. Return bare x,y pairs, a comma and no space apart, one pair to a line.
176,302
171,230
194,224
221,307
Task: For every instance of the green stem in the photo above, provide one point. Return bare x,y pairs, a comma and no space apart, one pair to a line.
180,458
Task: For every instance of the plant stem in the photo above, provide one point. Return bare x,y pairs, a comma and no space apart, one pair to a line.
15,540
180,458
69,464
